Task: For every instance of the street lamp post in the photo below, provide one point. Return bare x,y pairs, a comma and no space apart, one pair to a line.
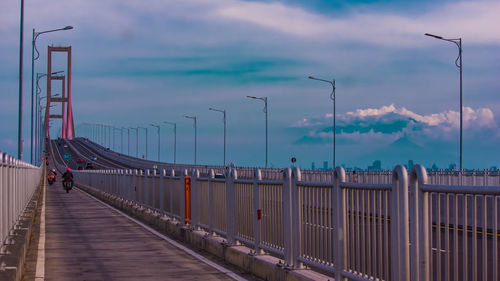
146,140
458,63
194,118
33,59
265,111
332,97
136,141
121,146
158,127
223,112
175,137
37,107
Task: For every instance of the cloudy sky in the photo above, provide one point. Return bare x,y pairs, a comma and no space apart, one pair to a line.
142,62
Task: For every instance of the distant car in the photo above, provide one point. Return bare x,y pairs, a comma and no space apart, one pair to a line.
79,161
89,166
65,145
93,158
80,168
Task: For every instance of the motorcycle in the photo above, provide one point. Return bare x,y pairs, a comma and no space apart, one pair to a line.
51,178
68,185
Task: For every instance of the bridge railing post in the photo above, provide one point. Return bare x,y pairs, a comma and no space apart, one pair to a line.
195,202
339,222
257,211
400,236
211,201
419,219
182,197
146,188
230,207
163,173
171,192
287,217
295,213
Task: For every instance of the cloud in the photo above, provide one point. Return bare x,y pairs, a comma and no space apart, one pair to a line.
391,123
477,22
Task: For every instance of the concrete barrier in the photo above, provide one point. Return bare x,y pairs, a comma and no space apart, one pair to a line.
263,266
13,256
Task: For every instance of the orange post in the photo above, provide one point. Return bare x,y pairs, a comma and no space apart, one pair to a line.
187,198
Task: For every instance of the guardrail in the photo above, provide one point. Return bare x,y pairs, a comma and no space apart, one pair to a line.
18,182
357,231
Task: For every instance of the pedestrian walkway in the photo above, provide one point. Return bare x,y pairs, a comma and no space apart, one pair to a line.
86,240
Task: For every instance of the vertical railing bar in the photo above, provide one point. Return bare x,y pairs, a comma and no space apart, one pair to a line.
455,240
369,270
438,236
495,237
447,238
465,229
386,248
358,233
380,257
474,238
363,233
485,239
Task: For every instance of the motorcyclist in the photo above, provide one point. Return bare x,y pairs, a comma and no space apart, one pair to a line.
68,176
52,175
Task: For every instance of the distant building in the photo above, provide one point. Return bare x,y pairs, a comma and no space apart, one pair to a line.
453,167
410,165
435,167
376,166
325,165
313,166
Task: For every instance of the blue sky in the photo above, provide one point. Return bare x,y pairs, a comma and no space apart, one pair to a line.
136,63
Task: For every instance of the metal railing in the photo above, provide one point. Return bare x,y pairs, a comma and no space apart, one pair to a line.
356,231
18,182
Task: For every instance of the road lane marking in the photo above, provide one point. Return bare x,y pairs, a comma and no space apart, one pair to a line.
220,268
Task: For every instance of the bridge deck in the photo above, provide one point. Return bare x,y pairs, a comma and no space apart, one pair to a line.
86,240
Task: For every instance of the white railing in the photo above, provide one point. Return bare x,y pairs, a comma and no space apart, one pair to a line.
18,182
356,231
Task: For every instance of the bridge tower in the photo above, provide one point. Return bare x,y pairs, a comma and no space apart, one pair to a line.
68,127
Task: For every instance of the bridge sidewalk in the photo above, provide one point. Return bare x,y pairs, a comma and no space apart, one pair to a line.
86,240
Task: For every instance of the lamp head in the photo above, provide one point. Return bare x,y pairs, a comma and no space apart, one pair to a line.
252,97
68,27
435,36
310,77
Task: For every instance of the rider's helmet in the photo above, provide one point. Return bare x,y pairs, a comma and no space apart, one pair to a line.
53,170
68,169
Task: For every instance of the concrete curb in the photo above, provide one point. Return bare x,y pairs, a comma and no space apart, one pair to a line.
12,263
263,266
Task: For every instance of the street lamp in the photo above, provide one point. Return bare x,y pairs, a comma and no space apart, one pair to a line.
265,111
33,59
458,63
223,112
194,118
146,140
332,97
136,141
175,136
158,127
37,108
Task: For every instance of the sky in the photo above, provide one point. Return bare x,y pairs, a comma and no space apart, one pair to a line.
397,91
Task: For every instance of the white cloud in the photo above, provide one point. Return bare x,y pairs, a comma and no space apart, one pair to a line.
479,118
478,22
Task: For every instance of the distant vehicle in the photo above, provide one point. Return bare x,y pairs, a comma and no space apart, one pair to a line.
65,146
67,156
93,158
89,166
80,168
79,161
